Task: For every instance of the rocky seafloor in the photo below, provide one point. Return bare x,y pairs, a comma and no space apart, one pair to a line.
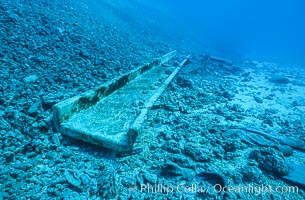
218,124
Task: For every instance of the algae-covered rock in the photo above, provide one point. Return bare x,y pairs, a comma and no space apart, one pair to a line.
72,178
270,160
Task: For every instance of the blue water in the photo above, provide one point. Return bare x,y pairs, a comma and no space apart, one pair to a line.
256,29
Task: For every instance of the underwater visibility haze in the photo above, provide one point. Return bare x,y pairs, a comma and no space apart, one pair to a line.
268,30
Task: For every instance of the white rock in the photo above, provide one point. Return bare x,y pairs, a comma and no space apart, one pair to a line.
31,78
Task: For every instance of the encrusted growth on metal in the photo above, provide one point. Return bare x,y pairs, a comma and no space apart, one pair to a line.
109,116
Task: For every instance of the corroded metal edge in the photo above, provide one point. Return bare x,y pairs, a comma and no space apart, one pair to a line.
137,124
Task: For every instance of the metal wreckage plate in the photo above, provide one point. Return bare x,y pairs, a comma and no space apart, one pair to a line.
111,115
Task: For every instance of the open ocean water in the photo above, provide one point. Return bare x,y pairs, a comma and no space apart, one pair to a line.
229,125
